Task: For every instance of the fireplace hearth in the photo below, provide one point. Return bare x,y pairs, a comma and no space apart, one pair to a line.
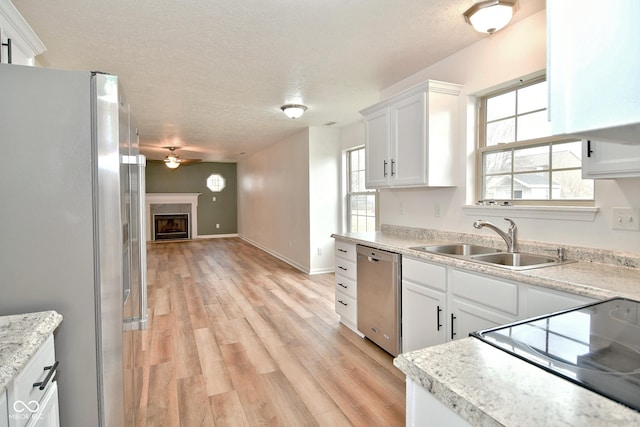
171,226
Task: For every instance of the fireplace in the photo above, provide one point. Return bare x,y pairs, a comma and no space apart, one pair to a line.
172,204
171,226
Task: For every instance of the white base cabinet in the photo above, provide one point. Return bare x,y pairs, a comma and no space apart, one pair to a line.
346,304
31,405
410,138
423,409
424,304
441,303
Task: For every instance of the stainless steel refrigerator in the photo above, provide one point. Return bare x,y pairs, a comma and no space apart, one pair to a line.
72,231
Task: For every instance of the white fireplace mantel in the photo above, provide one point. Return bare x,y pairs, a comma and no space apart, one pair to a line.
173,198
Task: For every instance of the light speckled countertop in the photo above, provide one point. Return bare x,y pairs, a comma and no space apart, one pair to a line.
605,275
20,337
487,386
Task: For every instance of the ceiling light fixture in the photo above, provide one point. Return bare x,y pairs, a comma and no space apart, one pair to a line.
491,15
172,162
293,111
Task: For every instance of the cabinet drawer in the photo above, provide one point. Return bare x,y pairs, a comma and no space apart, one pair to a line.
424,273
346,286
22,387
486,291
346,308
346,268
346,250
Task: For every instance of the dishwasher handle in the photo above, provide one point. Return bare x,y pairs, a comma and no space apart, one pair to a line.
372,259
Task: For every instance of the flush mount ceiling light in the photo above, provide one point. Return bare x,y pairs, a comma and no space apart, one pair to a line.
293,111
491,15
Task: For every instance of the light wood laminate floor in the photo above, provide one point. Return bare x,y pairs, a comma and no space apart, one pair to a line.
237,337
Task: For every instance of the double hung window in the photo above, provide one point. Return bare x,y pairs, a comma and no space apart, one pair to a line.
519,160
361,203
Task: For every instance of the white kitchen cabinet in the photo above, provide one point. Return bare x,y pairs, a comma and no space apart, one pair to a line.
480,302
25,44
4,412
425,409
410,138
610,160
29,404
539,301
424,304
592,69
346,284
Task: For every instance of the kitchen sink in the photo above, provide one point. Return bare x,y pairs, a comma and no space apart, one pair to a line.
492,256
457,249
516,261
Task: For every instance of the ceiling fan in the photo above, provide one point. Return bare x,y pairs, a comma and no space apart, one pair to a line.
172,161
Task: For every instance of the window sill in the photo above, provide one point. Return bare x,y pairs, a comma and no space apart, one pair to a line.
570,213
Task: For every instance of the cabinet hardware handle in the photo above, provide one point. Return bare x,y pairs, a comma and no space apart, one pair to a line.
342,250
52,369
342,302
342,268
453,334
438,324
384,168
393,171
589,150
346,287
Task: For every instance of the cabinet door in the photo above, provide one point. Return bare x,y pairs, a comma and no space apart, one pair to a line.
409,141
541,301
610,160
423,317
377,159
465,318
593,82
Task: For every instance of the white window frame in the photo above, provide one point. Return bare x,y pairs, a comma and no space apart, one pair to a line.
350,193
482,149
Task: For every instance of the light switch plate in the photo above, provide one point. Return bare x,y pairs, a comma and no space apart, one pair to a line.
625,219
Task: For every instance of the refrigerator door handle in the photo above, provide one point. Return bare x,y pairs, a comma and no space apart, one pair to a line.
142,163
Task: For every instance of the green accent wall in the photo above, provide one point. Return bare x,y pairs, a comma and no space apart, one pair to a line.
193,179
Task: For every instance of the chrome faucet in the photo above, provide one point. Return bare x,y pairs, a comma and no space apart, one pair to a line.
510,237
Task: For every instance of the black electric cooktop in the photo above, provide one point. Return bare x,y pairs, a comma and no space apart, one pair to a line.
596,346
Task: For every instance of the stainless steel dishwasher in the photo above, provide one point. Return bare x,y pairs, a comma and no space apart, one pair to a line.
379,300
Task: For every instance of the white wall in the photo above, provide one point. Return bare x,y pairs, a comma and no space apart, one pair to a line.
288,199
273,199
517,51
324,191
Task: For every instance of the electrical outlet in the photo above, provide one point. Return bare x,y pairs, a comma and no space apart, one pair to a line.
319,251
436,210
217,225
625,219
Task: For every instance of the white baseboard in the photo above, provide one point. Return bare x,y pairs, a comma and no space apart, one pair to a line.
216,236
281,257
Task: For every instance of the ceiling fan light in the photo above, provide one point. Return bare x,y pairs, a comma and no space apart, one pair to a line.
491,15
172,162
293,111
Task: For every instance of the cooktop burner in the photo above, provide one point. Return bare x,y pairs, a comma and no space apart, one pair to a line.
596,346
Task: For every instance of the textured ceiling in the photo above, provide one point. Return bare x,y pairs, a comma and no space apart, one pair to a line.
211,75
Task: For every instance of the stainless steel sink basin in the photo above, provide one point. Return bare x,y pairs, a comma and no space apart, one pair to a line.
492,256
517,261
457,249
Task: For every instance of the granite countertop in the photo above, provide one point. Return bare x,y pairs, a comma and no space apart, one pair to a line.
21,335
488,387
596,274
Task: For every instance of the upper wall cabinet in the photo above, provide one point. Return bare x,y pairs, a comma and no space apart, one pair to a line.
592,69
410,138
19,41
